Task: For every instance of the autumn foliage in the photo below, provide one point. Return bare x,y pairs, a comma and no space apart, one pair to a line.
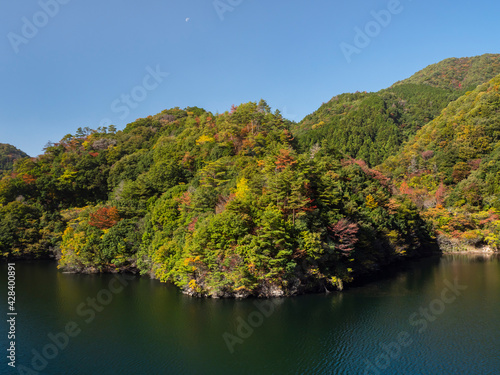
284,159
344,234
104,217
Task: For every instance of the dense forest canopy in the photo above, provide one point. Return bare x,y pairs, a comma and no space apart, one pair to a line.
464,73
8,155
451,168
248,203
219,204
373,126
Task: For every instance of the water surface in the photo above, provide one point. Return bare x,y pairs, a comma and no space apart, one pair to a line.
440,316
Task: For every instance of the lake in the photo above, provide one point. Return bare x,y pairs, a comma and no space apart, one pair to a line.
438,316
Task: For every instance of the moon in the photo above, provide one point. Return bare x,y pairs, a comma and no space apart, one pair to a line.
187,19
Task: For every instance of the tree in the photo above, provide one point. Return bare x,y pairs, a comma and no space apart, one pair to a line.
104,217
344,235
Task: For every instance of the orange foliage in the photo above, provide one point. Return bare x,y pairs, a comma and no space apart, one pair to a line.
405,189
184,200
392,206
284,159
104,217
29,179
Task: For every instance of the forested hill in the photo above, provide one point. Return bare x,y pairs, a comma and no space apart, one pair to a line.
451,169
373,126
8,155
246,203
219,204
464,73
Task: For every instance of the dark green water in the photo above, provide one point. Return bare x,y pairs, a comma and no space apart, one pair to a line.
140,326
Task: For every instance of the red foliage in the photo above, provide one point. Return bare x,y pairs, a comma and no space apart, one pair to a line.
475,163
493,217
459,224
104,217
440,193
310,206
192,224
379,177
94,154
361,163
385,181
344,233
233,108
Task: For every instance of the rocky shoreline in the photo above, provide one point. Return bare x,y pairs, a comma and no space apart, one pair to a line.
449,245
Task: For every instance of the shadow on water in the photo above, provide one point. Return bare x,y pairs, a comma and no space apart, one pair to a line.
150,327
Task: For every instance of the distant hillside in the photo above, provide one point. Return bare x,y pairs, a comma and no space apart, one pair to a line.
453,73
451,168
373,126
8,155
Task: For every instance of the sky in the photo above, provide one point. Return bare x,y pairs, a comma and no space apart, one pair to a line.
66,64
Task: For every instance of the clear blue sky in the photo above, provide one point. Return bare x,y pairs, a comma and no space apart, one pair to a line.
87,54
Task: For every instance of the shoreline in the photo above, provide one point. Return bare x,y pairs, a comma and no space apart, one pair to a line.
471,252
386,271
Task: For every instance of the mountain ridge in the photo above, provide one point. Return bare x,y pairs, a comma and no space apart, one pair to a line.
373,126
455,73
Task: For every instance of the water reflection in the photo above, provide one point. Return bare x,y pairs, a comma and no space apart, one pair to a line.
150,327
